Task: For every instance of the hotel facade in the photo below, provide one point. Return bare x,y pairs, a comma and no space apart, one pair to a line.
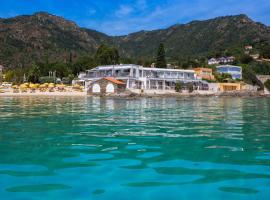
138,77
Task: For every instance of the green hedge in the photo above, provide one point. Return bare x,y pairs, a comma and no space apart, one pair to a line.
46,79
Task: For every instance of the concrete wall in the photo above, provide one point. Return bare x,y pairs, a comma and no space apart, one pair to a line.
263,79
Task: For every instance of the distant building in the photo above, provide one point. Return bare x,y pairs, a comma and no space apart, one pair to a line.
255,56
221,60
248,47
204,73
227,87
234,71
213,61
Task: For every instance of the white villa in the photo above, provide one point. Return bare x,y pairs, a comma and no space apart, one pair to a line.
223,60
138,77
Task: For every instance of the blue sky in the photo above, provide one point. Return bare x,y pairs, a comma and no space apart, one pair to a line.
119,17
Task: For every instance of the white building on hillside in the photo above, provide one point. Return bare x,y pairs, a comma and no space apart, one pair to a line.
221,60
138,77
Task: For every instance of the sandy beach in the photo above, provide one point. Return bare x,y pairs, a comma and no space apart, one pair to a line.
63,94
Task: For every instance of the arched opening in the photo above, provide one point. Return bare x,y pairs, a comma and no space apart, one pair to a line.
110,88
96,88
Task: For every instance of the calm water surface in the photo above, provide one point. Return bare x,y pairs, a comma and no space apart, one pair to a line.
156,149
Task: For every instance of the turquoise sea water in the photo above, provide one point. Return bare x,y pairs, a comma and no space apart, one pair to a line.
156,149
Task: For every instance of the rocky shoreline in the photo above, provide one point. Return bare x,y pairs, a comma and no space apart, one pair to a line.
180,95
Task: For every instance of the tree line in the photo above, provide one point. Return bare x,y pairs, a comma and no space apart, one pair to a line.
67,70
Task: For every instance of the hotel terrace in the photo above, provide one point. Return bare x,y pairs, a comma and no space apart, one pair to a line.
138,77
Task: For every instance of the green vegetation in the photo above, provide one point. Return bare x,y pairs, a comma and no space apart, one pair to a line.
246,59
249,77
106,55
188,45
267,84
223,78
265,50
178,87
45,72
190,87
261,68
34,74
160,59
46,79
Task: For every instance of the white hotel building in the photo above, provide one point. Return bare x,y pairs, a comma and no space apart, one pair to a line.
138,77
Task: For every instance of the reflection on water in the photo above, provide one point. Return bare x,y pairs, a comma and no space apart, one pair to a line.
100,148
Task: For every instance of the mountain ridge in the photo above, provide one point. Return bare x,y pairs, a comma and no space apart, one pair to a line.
35,38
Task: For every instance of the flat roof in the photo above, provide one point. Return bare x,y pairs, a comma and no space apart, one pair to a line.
168,70
108,67
228,66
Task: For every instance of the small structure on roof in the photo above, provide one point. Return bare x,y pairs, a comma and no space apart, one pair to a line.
106,85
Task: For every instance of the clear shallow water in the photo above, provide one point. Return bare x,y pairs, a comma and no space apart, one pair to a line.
91,148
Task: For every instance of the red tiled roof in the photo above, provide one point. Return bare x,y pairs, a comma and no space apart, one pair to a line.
113,80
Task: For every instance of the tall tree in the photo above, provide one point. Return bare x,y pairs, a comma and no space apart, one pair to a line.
161,57
106,55
34,74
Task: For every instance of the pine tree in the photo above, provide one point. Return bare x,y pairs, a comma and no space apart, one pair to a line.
160,59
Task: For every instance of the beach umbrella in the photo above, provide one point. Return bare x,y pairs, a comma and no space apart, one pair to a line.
51,85
31,85
23,86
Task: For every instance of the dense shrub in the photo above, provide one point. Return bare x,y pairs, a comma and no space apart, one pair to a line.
267,84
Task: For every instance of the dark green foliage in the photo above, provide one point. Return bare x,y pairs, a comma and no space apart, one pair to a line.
46,79
261,68
106,55
265,50
190,87
15,76
245,59
249,77
68,80
223,77
83,63
178,87
127,60
161,57
267,84
34,74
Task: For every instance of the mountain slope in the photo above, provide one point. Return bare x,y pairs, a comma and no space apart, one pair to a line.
45,37
197,37
27,38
